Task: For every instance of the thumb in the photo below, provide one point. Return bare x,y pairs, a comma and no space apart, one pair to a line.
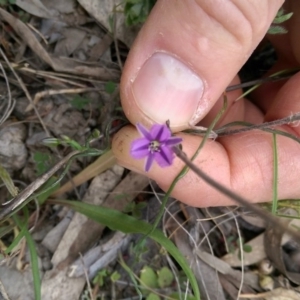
186,55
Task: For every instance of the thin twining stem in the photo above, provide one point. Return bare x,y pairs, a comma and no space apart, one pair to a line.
235,197
261,81
287,120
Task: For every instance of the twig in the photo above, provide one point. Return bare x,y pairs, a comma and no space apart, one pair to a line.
8,207
3,292
115,39
11,102
25,91
87,278
259,81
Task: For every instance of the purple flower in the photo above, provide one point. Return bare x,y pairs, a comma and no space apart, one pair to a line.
155,145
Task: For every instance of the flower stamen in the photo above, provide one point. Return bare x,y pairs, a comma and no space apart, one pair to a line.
154,146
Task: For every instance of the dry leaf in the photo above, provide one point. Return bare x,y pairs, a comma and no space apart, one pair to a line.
63,64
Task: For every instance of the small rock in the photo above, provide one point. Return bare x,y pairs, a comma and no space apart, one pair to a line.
13,152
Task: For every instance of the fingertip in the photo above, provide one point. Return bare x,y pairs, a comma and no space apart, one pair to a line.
176,70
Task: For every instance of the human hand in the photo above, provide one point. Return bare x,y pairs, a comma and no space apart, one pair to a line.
185,56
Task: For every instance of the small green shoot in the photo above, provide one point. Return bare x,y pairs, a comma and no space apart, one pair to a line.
110,87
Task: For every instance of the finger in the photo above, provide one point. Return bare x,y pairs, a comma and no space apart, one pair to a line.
186,54
287,48
286,103
242,163
241,110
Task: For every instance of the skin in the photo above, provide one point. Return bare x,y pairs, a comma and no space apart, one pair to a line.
242,162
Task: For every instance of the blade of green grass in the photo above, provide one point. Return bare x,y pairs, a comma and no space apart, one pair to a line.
13,190
15,242
131,275
127,224
33,256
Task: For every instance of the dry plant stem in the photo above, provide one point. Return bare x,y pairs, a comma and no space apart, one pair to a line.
3,292
25,91
8,207
266,125
40,95
116,40
258,81
87,279
53,75
11,102
38,33
238,199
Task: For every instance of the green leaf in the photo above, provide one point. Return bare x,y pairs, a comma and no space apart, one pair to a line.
41,161
152,296
165,277
148,278
79,102
50,187
127,224
115,276
247,248
177,296
33,256
99,278
137,11
280,17
110,87
276,29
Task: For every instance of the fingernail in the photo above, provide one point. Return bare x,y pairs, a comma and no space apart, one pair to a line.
167,89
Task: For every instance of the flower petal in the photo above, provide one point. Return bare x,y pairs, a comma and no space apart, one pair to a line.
139,148
160,133
165,157
149,161
172,141
144,132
